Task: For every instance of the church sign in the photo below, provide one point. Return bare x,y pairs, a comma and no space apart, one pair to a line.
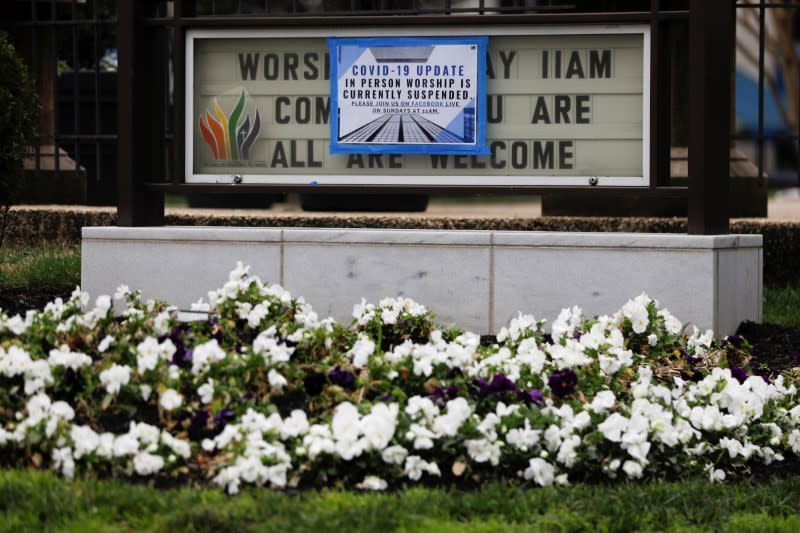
474,106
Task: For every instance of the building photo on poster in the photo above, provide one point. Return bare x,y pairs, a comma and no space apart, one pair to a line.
408,95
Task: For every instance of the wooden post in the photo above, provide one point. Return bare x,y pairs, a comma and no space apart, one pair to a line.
710,27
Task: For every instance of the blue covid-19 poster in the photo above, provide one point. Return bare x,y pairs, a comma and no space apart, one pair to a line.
407,95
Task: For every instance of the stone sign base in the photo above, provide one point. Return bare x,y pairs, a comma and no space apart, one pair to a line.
477,280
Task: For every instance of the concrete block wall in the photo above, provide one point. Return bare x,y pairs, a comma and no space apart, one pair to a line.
477,280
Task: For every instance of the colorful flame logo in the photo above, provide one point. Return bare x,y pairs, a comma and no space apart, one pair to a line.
228,139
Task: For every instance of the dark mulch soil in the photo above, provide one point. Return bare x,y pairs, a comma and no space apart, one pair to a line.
775,348
13,302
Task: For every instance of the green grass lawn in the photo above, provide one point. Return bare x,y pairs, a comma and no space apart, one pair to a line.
40,269
782,306
36,501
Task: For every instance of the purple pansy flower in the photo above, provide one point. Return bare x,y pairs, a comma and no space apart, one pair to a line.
343,378
500,383
531,396
480,388
222,417
562,382
739,374
441,395
734,340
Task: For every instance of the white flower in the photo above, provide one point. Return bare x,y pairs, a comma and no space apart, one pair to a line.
540,471
416,466
421,404
239,273
613,426
84,440
17,325
105,448
413,308
421,435
115,378
447,425
482,451
716,475
707,418
372,483
64,357
638,450
732,446
126,444
361,350
793,441
379,425
294,425
345,423
273,351
570,355
672,324
363,312
62,460
276,380
179,446
603,401
146,434
395,455
204,355
639,320
122,292
170,399
257,314
652,339
609,365
566,452
105,344
700,341
102,304
161,322
147,464
633,469
206,391
62,410
349,449
37,377
80,297
528,353
523,438
389,316
565,324
147,355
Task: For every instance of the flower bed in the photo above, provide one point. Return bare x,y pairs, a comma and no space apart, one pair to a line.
265,392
